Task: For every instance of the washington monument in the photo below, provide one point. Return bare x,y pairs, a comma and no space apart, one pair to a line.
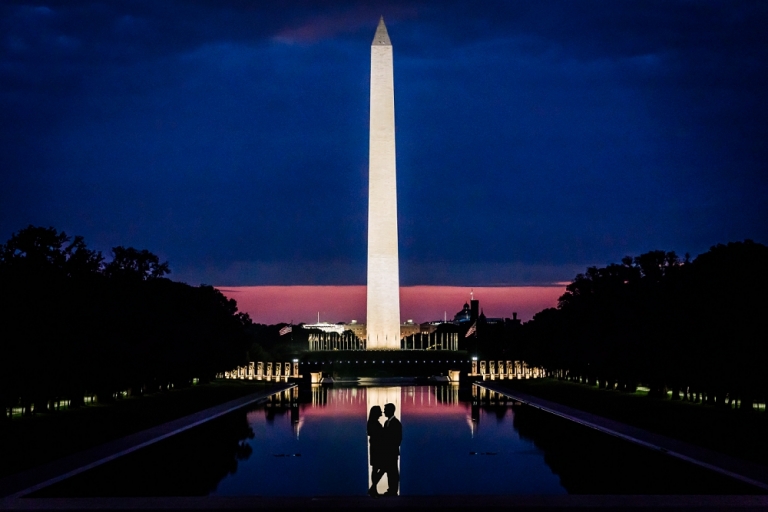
383,316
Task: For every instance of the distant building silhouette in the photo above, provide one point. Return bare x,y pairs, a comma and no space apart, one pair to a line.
409,328
357,329
471,312
512,322
463,316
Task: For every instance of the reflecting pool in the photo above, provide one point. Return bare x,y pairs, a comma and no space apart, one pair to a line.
311,441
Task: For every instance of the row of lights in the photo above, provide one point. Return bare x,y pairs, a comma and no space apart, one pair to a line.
474,358
374,362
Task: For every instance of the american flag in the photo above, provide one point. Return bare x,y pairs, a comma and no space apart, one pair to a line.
285,330
471,330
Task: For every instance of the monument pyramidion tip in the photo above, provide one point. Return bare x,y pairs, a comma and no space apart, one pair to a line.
381,37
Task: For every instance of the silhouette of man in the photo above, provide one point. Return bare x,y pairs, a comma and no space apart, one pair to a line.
393,436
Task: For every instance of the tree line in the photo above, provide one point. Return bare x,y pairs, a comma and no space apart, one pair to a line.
695,327
74,324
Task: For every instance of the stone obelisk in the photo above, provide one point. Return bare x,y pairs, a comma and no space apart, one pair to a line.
383,319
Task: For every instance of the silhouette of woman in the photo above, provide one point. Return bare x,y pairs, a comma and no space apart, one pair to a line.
376,442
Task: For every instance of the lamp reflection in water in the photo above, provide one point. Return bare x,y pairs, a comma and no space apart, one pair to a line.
296,420
382,396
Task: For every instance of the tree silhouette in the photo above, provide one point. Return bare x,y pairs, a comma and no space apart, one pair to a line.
130,263
694,327
71,324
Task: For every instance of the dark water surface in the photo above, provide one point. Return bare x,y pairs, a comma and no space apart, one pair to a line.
312,441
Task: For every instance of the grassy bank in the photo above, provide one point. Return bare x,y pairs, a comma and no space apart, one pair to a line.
30,441
733,432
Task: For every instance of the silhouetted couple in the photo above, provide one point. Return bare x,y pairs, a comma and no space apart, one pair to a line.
384,449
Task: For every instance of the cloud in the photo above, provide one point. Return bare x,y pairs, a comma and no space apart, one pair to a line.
534,138
343,21
352,272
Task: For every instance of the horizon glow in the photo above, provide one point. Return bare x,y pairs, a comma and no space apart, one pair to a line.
277,304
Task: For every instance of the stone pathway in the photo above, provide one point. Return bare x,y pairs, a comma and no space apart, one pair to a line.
404,503
749,472
26,482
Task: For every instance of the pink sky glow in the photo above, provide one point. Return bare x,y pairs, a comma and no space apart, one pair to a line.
415,402
275,304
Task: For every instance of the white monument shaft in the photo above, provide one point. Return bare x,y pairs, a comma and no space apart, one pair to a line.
383,318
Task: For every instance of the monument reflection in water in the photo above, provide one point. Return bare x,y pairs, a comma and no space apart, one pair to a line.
324,449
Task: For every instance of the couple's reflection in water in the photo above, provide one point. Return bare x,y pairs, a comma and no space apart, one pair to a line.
384,449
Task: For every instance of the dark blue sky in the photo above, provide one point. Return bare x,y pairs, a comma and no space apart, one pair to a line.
533,138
